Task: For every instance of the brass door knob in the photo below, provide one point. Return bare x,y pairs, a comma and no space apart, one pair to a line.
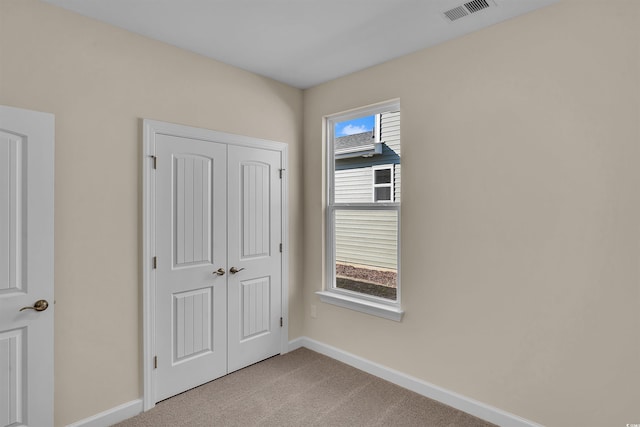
40,305
236,270
219,272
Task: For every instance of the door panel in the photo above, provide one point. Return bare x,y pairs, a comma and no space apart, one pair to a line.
254,210
192,220
191,299
12,380
254,231
26,267
12,186
192,323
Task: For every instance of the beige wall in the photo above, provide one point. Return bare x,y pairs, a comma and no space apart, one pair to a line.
520,215
99,81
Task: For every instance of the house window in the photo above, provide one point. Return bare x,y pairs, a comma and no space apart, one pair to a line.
363,210
383,183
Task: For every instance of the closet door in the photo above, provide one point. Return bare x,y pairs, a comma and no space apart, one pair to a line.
254,257
191,263
216,288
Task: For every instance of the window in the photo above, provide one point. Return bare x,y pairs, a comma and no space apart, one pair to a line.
383,183
363,210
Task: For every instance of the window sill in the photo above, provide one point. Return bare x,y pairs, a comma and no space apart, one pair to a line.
363,306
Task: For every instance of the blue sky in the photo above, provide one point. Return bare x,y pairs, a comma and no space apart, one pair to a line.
351,127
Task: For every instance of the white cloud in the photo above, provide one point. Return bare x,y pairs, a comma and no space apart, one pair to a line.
352,130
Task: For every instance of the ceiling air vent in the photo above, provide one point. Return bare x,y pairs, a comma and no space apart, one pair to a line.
466,9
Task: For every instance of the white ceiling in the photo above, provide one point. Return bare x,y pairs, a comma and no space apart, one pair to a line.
299,42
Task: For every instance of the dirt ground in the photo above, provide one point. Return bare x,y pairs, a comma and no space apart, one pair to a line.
380,277
366,288
380,283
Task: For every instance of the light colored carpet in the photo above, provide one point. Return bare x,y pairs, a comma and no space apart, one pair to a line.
301,388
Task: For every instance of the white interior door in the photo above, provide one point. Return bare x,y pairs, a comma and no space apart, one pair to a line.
218,261
26,267
191,296
254,234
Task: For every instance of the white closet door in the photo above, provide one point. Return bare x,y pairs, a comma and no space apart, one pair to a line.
254,232
191,247
218,274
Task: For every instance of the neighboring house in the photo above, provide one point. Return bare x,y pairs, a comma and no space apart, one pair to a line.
367,170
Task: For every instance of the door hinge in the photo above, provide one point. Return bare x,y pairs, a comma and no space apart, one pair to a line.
281,323
155,262
155,161
155,362
281,171
280,247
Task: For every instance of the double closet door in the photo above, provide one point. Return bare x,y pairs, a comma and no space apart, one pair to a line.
218,260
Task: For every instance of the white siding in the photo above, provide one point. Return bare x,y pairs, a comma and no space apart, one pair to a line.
390,135
367,238
353,185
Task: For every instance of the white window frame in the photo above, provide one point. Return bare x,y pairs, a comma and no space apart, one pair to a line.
382,307
390,185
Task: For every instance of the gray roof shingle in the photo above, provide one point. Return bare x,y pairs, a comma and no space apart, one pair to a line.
353,141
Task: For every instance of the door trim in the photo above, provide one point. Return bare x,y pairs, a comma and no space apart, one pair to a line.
151,128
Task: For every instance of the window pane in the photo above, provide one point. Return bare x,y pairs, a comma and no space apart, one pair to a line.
366,251
383,193
354,149
366,154
382,176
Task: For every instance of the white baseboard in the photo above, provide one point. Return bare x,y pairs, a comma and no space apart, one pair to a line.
112,416
432,391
